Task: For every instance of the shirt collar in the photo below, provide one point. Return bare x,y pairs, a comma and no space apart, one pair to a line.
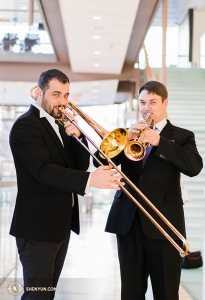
43,113
160,125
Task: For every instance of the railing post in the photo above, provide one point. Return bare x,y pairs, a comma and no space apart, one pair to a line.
164,40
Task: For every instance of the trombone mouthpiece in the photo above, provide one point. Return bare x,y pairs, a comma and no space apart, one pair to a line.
61,108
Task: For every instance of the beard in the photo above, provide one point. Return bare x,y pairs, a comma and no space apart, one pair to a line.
52,111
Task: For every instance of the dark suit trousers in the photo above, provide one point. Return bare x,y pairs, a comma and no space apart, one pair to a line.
140,257
42,264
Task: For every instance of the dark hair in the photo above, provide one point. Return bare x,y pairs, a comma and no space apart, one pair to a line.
155,87
48,75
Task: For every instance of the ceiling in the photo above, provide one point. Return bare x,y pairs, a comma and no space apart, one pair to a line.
98,37
95,42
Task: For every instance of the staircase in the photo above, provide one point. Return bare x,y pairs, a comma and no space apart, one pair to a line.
186,109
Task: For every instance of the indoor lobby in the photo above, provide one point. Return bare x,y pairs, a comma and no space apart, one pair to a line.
108,49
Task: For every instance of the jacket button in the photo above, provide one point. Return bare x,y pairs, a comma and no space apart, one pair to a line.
141,178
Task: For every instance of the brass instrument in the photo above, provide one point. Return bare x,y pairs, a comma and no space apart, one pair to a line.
112,142
136,150
96,128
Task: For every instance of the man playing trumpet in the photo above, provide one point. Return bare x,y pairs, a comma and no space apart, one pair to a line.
142,249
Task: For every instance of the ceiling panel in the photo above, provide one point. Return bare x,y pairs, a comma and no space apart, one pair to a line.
98,45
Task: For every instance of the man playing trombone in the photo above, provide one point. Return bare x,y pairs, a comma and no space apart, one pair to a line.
51,170
142,249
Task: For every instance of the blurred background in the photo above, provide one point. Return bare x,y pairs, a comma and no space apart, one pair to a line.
107,48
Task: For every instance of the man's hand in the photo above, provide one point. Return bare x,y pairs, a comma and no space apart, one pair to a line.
151,137
69,127
135,129
104,177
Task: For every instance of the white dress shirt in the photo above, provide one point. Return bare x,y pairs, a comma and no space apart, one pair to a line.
160,125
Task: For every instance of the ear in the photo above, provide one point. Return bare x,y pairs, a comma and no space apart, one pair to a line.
39,93
166,102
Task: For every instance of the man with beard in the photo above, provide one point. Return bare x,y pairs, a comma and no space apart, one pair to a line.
51,170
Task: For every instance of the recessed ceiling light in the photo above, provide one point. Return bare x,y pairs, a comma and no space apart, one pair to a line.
94,91
24,7
136,65
96,37
95,82
97,17
96,52
96,65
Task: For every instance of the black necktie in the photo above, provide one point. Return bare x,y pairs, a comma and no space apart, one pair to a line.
61,130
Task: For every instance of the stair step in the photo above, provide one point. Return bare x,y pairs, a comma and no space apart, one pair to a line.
186,108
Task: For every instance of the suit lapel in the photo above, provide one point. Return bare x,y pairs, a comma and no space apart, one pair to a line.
166,132
51,131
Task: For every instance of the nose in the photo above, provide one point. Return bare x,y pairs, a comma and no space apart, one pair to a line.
146,107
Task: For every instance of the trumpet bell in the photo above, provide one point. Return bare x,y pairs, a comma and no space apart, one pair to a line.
134,151
114,142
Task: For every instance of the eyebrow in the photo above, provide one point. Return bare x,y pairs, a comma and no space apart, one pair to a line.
148,100
58,92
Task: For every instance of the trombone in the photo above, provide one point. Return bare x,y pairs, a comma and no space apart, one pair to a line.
75,109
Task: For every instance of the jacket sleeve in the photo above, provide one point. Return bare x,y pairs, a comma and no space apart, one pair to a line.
116,159
32,155
183,154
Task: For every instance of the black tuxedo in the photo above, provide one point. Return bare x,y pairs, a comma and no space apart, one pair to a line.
159,181
47,174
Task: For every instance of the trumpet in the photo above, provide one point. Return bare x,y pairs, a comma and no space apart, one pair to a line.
136,150
95,126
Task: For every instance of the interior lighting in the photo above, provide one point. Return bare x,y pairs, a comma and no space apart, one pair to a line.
97,18
24,7
96,52
95,82
96,37
96,65
136,65
94,91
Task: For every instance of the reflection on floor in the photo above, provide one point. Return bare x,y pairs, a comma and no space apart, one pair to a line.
91,270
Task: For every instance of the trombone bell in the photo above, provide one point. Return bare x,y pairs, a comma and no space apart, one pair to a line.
113,143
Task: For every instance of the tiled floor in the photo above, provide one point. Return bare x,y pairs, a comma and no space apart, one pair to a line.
91,270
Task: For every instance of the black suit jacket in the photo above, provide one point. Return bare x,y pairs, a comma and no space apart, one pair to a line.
47,175
159,181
